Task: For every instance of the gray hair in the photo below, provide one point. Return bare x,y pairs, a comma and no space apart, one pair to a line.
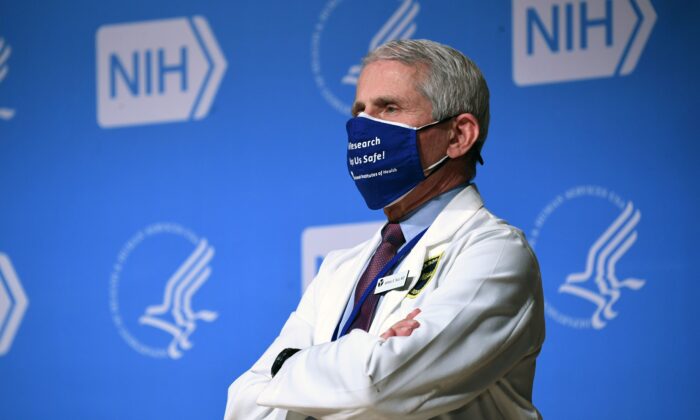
453,83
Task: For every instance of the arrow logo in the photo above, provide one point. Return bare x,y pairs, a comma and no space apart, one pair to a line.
13,303
157,71
646,18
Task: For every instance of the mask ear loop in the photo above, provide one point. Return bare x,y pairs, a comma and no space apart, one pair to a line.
434,123
430,169
476,150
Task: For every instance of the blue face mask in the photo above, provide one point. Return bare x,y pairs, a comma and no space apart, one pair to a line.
383,159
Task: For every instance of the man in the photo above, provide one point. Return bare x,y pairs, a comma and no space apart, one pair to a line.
440,314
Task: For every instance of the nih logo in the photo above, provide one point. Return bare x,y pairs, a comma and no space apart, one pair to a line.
559,40
156,71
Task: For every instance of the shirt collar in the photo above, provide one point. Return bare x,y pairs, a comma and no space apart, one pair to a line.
422,217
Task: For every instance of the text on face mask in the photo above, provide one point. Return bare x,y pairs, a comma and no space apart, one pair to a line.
375,157
364,143
374,174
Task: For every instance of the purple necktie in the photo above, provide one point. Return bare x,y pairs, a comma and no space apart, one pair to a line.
392,239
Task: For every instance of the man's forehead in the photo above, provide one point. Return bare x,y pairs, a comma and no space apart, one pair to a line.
393,70
388,80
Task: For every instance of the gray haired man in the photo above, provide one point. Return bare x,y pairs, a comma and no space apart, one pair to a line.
456,325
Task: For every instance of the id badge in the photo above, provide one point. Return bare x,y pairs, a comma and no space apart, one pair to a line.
394,281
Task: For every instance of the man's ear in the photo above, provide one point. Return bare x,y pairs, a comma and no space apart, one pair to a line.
466,132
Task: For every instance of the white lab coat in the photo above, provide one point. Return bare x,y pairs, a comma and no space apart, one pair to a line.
473,356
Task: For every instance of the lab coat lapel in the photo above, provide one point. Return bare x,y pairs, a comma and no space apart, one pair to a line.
343,284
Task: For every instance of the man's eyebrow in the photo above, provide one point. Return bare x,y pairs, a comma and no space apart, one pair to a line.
380,101
356,107
384,100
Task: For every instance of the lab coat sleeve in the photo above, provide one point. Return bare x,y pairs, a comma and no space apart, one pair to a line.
243,392
485,317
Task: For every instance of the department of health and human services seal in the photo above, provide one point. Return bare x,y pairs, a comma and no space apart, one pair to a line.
582,235
153,281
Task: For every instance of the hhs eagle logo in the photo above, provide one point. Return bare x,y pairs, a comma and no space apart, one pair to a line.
336,74
177,301
5,52
161,330
598,288
400,25
598,283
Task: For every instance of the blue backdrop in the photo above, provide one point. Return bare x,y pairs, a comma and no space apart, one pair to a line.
172,172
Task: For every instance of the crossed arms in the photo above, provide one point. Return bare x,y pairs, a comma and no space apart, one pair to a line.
481,322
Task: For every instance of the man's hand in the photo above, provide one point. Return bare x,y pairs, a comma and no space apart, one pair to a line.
403,328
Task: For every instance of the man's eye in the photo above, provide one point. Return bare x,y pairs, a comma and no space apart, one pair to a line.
391,109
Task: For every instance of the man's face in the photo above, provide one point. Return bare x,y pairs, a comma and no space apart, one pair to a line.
387,89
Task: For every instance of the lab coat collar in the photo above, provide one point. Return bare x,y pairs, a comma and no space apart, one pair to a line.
456,213
424,216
